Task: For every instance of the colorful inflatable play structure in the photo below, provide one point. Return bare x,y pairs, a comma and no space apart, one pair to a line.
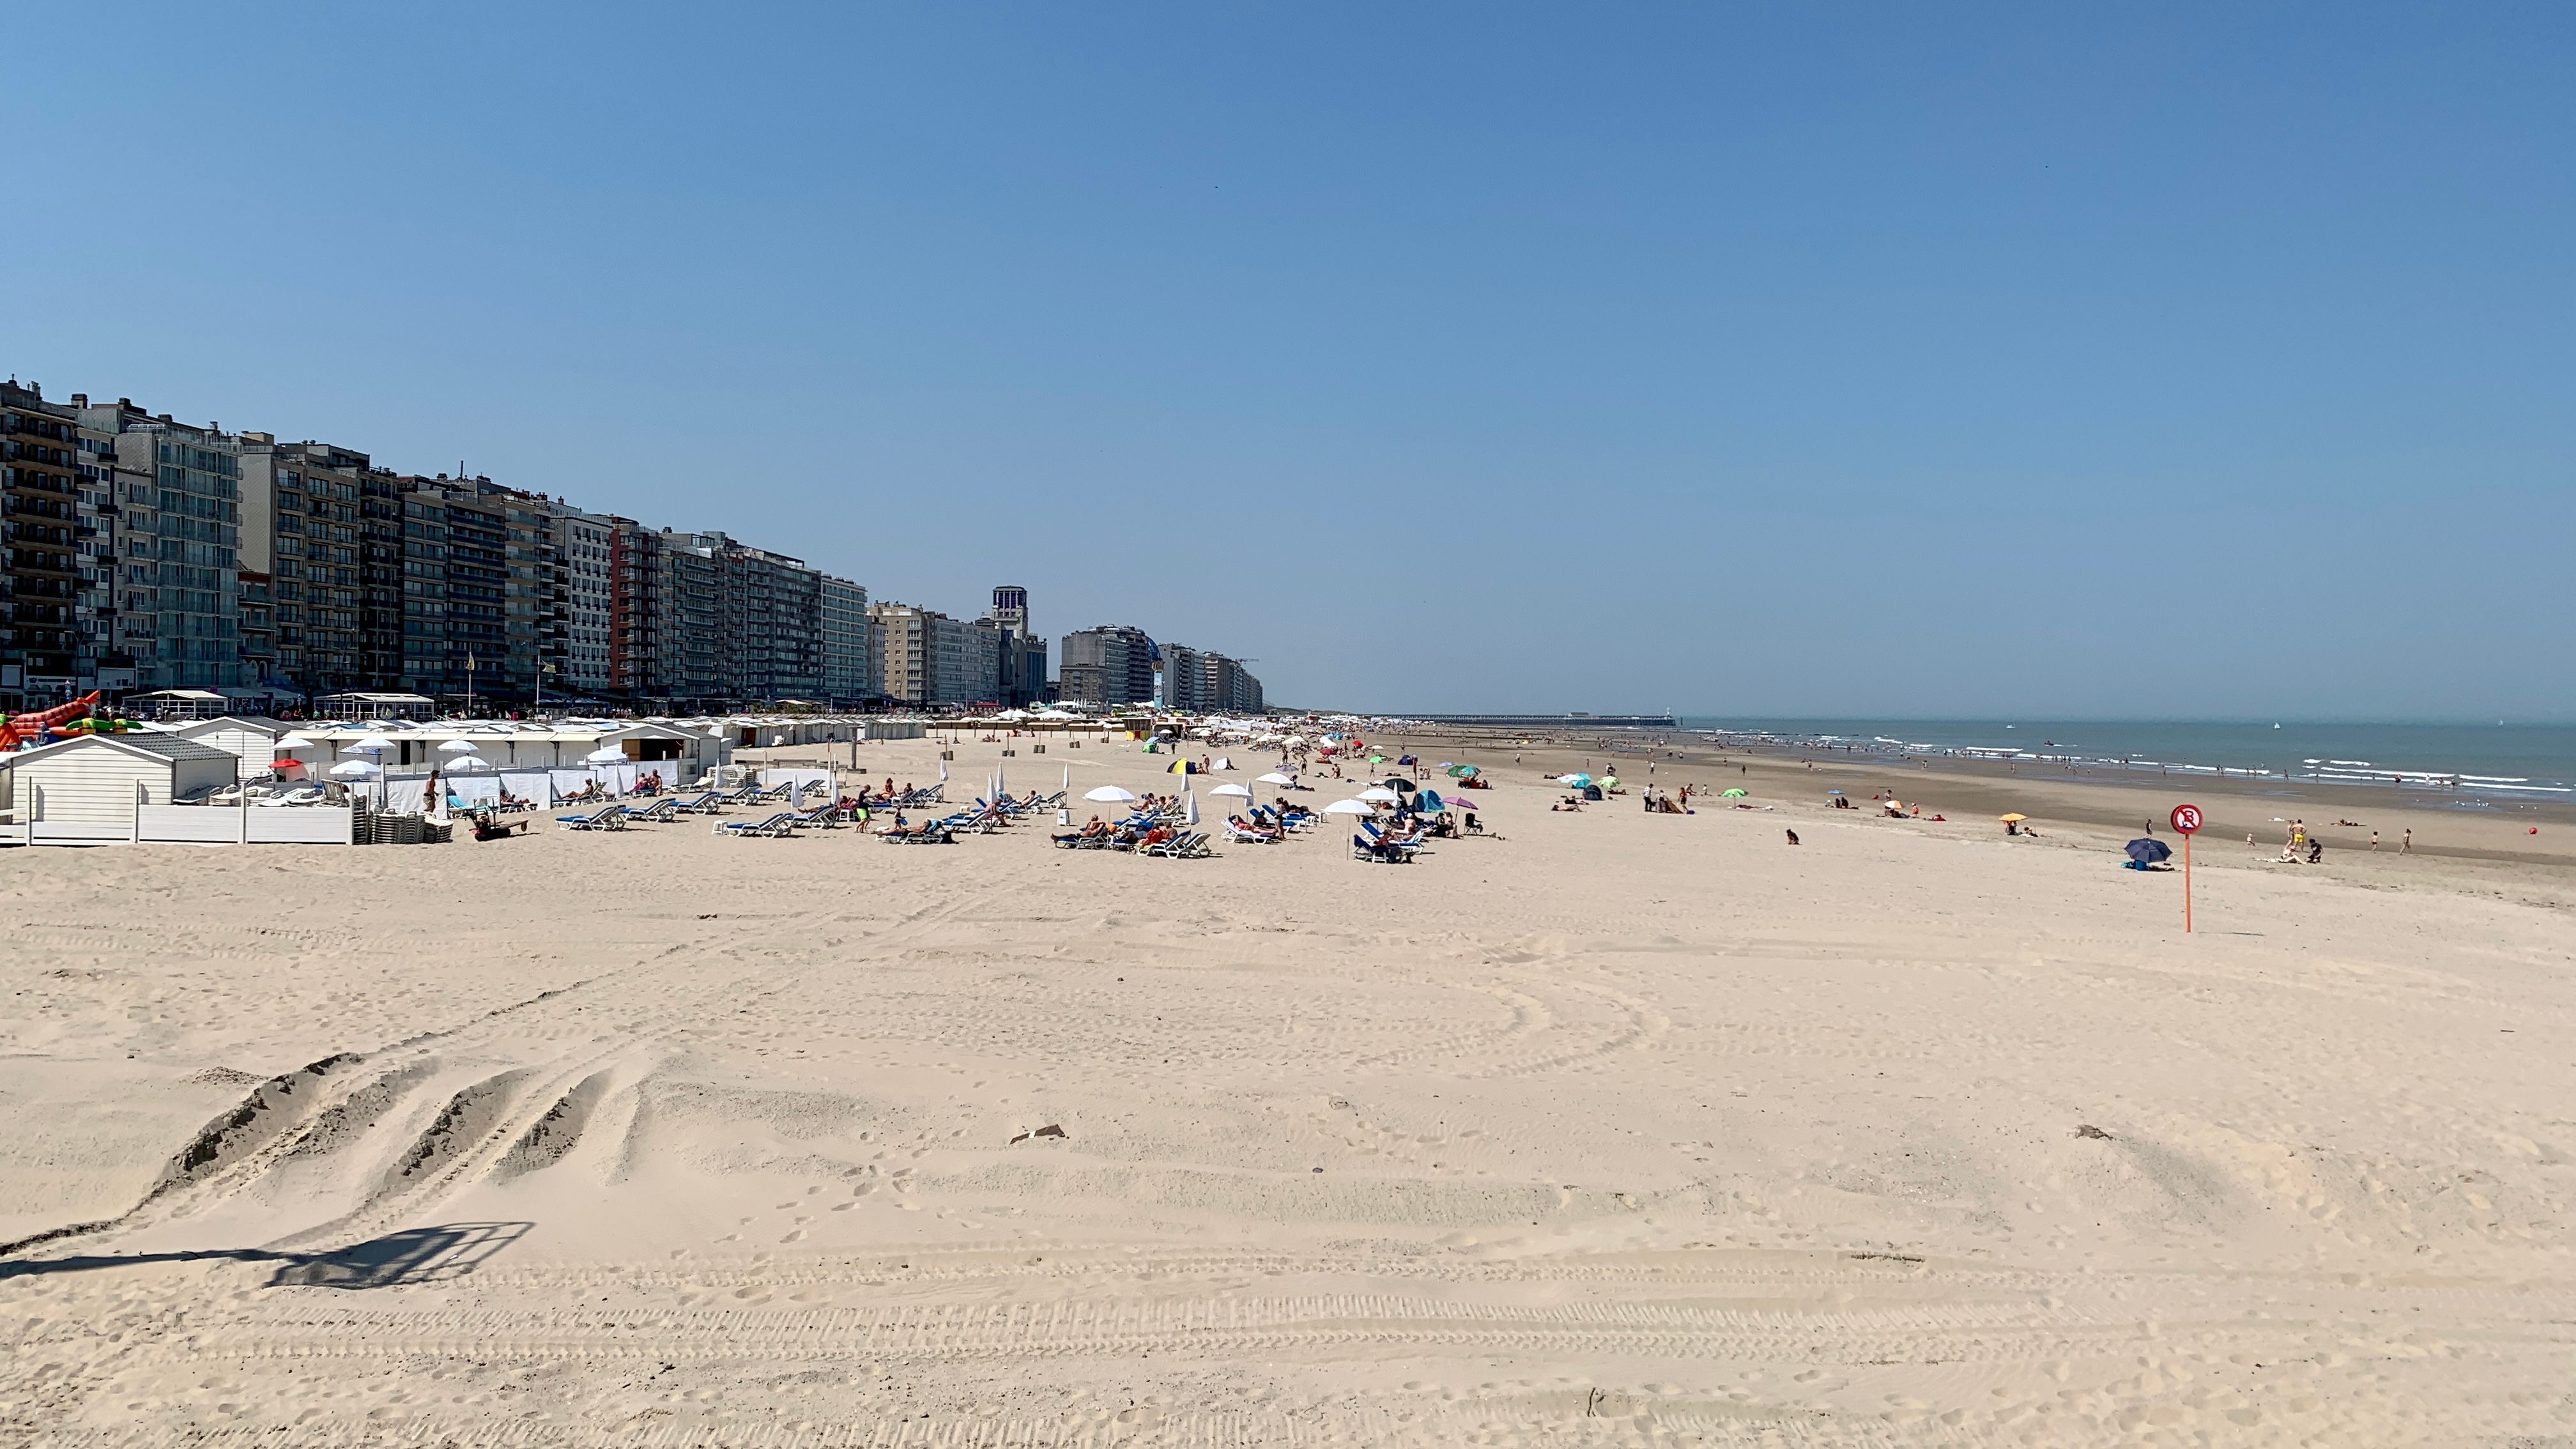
19,731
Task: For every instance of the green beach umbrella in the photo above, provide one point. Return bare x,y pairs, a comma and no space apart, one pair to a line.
1730,794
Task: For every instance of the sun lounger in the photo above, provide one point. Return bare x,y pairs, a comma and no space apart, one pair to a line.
606,817
663,809
1363,848
780,824
1249,837
1380,840
705,803
934,833
1188,845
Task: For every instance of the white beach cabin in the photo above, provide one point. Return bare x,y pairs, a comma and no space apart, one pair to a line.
249,738
86,788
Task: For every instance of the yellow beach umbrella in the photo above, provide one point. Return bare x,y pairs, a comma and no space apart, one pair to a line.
2014,819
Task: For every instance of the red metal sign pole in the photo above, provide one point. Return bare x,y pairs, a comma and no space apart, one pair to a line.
2186,823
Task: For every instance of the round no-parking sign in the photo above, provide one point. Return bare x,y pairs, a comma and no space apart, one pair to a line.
2186,819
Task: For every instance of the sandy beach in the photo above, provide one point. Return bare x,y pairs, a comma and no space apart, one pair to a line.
1612,1129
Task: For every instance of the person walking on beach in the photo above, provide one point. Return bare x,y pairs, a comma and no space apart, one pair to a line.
2374,840
2406,845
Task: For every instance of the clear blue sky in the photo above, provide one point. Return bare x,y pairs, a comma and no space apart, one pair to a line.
1904,360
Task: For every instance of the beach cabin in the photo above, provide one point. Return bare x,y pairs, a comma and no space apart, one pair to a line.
249,738
88,786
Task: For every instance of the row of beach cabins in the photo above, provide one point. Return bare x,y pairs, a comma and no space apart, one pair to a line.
310,782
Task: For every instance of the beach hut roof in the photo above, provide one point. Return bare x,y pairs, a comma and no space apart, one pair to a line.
160,746
238,721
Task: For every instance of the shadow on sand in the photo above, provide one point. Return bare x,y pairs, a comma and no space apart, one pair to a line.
414,1255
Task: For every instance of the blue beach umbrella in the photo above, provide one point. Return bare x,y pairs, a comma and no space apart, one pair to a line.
2146,850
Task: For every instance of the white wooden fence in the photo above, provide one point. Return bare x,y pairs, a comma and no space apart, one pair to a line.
196,825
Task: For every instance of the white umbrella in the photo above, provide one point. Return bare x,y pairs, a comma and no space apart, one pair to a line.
1189,808
468,764
1231,790
1382,795
1067,784
1275,778
609,756
293,742
1111,795
1056,714
352,770
1349,807
374,747
457,747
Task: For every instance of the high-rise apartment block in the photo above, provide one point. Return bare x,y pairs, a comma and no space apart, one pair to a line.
138,552
178,533
1107,666
1205,682
581,601
1023,653
302,533
40,488
850,668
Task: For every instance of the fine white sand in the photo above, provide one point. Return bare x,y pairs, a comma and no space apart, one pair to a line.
1616,1130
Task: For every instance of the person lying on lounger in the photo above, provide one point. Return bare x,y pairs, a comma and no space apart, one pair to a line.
1093,831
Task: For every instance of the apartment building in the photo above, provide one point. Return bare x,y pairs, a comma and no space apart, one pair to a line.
98,662
581,601
528,564
677,606
40,488
303,571
770,618
930,658
1023,665
1106,666
478,592
425,664
1207,682
850,670
178,511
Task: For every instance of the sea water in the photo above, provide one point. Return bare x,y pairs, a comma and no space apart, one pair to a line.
2501,761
